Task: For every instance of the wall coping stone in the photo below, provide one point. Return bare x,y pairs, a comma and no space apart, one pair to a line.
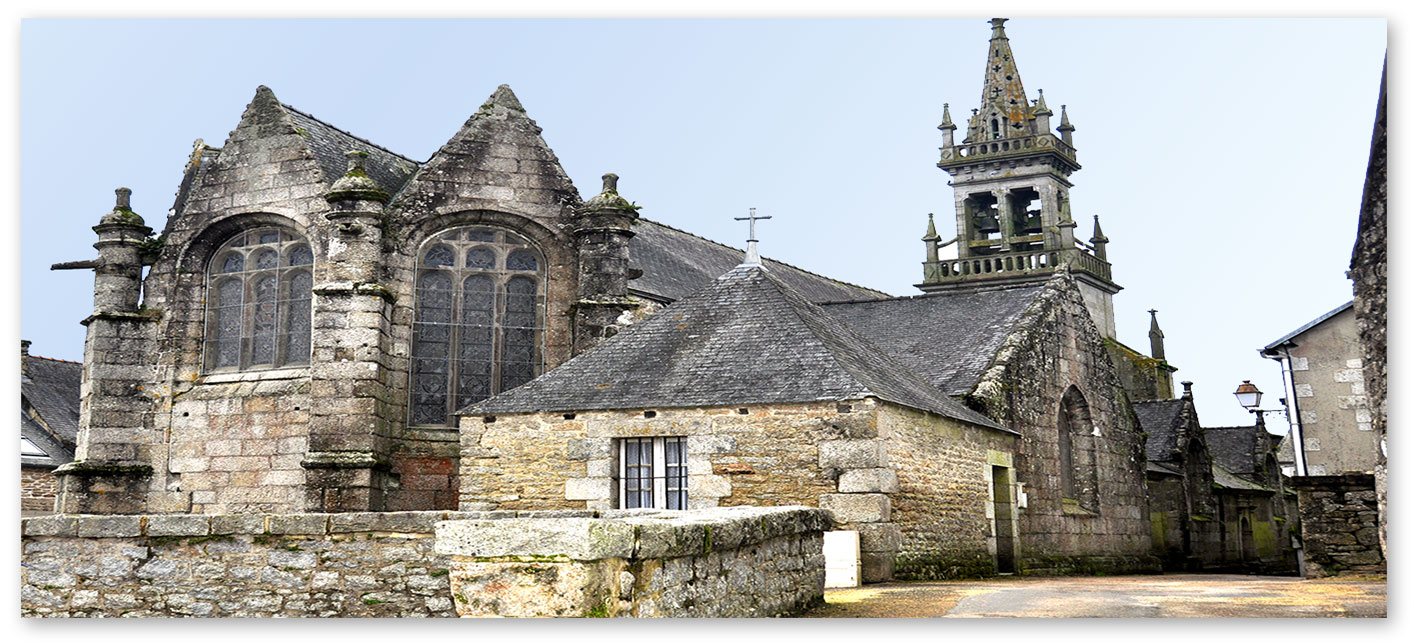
639,534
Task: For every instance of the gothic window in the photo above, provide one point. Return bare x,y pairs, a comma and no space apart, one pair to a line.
258,301
478,320
1076,452
653,472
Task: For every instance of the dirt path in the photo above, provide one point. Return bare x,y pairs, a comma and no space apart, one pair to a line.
1179,595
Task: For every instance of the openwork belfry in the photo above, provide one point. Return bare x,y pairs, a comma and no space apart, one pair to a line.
258,302
478,327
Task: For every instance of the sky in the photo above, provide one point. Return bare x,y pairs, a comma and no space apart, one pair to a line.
1225,157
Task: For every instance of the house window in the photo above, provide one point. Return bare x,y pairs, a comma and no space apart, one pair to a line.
477,320
653,472
258,301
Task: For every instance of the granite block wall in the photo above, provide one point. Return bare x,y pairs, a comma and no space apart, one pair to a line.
722,562
1340,529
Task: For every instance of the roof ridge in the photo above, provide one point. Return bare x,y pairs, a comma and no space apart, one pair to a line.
32,356
819,323
740,250
924,296
346,132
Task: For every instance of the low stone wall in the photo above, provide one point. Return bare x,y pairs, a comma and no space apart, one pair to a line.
1339,524
721,562
301,565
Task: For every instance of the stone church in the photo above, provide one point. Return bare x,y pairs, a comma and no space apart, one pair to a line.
327,326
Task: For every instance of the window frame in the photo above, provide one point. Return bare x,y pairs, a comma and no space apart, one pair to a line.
667,476
505,246
247,279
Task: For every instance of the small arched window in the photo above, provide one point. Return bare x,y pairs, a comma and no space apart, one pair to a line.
258,301
1077,442
477,320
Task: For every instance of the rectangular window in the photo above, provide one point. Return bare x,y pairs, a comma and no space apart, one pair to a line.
653,472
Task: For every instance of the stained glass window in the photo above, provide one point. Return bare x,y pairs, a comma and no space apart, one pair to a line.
258,308
478,320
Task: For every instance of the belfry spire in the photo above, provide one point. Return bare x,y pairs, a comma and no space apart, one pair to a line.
1005,109
1010,176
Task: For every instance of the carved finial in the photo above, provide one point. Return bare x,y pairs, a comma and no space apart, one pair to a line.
947,123
611,182
124,199
1065,121
997,30
1188,389
356,159
932,233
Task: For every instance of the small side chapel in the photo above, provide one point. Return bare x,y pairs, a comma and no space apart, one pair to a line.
328,326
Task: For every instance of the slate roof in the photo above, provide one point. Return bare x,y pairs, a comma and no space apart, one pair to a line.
1235,448
57,452
1161,420
948,338
1306,327
1225,478
50,389
747,338
676,264
389,169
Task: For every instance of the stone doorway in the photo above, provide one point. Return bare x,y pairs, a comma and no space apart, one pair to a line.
1004,519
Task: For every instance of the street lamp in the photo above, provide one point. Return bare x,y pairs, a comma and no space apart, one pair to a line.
1250,397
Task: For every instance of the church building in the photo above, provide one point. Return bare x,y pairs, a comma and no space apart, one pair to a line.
327,326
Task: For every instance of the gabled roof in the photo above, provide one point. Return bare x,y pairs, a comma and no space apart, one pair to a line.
747,338
56,452
329,143
1306,327
51,388
1229,480
1162,420
948,338
1237,448
676,263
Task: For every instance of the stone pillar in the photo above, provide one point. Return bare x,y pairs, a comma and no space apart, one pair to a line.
602,232
351,416
1005,218
113,461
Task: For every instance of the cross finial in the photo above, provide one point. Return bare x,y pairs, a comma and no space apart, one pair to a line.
752,257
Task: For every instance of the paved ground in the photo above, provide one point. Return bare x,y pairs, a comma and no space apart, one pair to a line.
1176,595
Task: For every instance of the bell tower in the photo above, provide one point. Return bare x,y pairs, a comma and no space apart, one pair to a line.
1011,192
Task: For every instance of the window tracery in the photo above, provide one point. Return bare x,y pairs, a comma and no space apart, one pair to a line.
478,320
258,301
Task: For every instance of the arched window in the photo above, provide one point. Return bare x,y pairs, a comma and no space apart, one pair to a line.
1076,446
258,301
477,321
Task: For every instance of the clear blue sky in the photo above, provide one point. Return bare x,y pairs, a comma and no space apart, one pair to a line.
1213,150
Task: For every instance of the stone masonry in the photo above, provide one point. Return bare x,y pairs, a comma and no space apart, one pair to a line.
1339,524
726,562
731,562
916,486
1056,349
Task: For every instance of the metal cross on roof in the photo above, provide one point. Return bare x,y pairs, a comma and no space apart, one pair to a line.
752,257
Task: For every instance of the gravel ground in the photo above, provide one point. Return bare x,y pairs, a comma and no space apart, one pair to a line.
1175,595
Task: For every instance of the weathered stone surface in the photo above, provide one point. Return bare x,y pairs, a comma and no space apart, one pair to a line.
55,525
177,525
582,539
853,454
869,480
109,526
857,508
